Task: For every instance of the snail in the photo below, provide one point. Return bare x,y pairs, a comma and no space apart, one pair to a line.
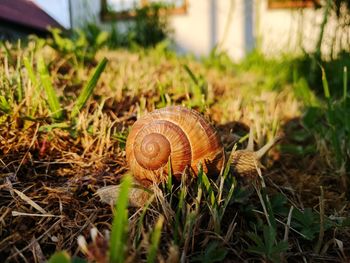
186,139
177,134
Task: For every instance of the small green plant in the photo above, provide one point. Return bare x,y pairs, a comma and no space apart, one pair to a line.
330,126
212,253
150,25
82,43
268,247
96,37
219,60
307,223
198,89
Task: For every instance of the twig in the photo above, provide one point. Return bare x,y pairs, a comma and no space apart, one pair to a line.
15,213
286,229
321,234
30,201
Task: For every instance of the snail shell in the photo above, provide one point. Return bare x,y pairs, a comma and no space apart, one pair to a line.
176,133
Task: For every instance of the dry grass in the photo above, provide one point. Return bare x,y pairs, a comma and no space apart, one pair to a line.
48,177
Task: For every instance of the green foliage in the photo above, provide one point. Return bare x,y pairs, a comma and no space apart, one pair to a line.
28,100
219,60
271,73
303,72
212,253
83,43
60,257
4,105
52,98
268,246
150,25
329,124
137,240
308,67
203,203
95,36
121,138
194,199
64,257
88,89
279,204
155,238
307,222
325,122
118,240
198,89
35,98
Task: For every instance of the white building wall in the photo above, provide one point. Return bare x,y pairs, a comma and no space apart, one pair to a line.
197,31
208,23
292,30
250,22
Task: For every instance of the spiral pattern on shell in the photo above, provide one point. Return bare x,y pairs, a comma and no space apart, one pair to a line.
174,132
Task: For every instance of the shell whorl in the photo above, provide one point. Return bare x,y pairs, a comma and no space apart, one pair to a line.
175,132
152,151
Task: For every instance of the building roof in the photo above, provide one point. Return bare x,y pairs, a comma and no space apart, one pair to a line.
26,13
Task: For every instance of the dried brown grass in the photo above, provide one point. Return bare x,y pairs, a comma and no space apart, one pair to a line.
60,172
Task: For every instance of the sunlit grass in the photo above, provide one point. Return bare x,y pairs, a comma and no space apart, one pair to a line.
64,123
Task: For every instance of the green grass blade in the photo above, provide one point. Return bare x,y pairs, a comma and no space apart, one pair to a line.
325,84
89,88
120,223
20,92
52,98
4,105
345,83
30,71
60,257
137,239
190,73
208,187
7,52
227,199
155,238
271,214
34,100
198,89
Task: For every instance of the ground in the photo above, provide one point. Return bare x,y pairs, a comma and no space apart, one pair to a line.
50,170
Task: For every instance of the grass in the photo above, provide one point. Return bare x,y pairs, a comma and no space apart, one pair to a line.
63,124
120,224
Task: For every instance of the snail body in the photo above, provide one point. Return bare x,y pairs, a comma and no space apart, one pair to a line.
177,134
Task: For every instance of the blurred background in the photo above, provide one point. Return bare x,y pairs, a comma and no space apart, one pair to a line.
235,26
76,74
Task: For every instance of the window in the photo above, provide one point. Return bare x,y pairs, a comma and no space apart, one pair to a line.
292,3
123,9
